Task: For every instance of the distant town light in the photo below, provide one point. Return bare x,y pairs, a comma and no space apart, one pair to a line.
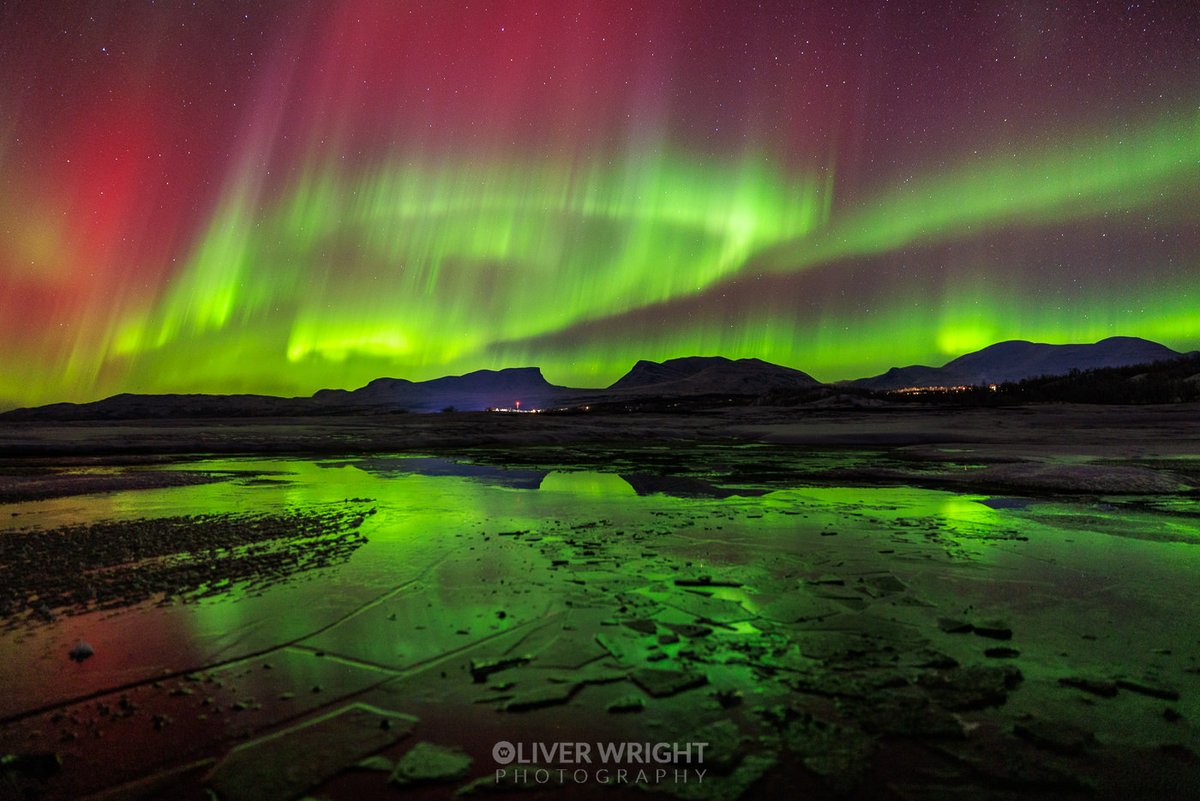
941,390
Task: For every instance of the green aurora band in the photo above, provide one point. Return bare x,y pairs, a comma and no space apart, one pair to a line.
458,255
428,264
302,194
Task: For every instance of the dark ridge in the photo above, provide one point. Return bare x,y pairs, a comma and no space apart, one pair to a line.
1017,360
1020,371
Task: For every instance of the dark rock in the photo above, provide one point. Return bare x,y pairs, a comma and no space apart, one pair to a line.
81,651
482,668
1002,653
706,581
642,625
1105,689
993,629
1164,693
630,703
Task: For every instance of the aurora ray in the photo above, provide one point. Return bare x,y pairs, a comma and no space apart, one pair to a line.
330,192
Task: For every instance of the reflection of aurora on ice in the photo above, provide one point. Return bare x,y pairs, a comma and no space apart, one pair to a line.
483,586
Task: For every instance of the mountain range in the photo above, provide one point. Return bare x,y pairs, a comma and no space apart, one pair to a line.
704,375
1017,359
482,389
675,378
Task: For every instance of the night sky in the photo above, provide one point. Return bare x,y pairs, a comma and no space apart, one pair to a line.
282,196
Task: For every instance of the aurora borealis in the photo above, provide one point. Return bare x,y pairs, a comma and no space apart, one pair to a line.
284,196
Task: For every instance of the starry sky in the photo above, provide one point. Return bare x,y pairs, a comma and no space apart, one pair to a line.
276,197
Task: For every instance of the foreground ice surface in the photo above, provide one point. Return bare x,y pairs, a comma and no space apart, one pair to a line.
862,641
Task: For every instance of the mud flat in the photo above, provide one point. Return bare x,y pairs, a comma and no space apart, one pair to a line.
886,616
1059,428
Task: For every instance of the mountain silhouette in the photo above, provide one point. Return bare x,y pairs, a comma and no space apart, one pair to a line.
482,389
703,375
692,376
1016,360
